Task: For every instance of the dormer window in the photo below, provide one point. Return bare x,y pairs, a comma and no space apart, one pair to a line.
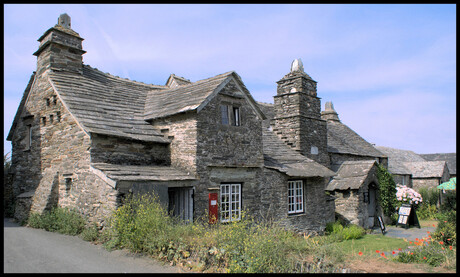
48,102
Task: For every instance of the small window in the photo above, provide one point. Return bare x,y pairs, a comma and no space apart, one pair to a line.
28,137
295,197
58,116
230,115
44,121
236,116
51,119
230,202
54,100
68,185
48,102
224,111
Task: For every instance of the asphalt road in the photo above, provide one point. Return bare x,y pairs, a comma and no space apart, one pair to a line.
28,250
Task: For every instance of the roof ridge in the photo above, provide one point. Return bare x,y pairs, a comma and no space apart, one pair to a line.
123,79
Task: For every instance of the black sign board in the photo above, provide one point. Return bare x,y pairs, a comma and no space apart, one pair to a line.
407,216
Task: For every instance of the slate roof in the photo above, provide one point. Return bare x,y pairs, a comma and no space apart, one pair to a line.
162,103
426,169
343,140
397,159
340,138
106,104
142,173
192,96
351,175
279,156
450,158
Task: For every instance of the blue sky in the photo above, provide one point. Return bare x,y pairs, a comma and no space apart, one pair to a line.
390,70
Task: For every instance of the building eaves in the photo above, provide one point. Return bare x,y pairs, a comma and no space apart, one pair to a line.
106,104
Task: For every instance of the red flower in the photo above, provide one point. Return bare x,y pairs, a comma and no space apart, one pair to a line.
450,247
427,232
441,242
434,225
377,251
411,253
393,252
410,242
399,249
424,258
360,253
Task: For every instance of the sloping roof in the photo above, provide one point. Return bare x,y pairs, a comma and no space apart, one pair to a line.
192,96
340,138
343,140
184,98
397,159
142,173
106,104
426,169
450,158
351,175
279,156
21,106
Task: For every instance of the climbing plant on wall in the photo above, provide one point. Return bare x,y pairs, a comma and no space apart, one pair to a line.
387,194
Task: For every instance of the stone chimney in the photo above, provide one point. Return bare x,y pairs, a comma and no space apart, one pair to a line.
297,119
329,114
60,48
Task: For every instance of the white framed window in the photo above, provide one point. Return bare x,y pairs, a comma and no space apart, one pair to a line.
230,202
236,116
295,197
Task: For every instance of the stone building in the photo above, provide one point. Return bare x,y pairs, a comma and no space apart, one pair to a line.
86,139
412,170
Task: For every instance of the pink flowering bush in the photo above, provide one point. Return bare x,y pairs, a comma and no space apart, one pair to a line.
406,195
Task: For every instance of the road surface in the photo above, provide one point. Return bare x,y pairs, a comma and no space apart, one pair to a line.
28,250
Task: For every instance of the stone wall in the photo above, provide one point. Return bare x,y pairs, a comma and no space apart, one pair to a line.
182,129
274,203
418,183
59,152
106,149
226,153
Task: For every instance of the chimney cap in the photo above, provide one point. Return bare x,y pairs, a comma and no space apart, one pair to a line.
297,65
64,20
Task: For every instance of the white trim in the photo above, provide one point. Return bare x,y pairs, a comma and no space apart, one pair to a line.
295,197
227,191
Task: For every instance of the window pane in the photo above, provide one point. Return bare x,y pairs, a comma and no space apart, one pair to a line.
224,110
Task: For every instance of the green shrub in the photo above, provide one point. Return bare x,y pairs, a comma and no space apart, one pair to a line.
339,232
434,254
61,220
90,233
427,212
446,231
387,191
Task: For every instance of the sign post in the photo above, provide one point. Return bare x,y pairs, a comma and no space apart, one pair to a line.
407,216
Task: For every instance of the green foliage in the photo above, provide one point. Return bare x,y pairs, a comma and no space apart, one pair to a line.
61,220
339,232
446,231
449,201
90,233
143,225
387,191
434,254
427,212
8,199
